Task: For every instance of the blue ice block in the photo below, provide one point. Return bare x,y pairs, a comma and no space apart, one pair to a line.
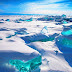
66,33
27,66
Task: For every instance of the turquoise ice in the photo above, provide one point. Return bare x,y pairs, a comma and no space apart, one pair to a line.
27,66
8,20
9,36
63,16
28,20
69,32
21,20
51,19
65,42
21,33
45,18
18,33
64,22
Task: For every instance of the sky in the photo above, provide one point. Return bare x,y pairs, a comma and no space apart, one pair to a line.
36,6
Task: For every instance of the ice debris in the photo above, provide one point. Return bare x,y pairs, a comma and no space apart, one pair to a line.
21,19
18,33
28,20
63,16
7,20
64,22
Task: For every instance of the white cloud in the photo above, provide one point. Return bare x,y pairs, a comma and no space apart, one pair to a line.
37,6
51,1
53,12
46,7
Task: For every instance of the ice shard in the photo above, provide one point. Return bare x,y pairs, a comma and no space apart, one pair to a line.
64,42
21,32
7,20
44,30
45,18
66,33
21,20
64,22
28,20
63,16
27,66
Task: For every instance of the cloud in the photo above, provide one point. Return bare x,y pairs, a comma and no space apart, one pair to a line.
50,12
47,7
38,6
34,6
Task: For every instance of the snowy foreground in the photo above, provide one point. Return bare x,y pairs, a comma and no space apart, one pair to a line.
18,46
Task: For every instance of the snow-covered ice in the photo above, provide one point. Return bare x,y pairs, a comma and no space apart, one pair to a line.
34,38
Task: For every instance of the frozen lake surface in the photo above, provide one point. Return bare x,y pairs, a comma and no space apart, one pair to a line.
27,37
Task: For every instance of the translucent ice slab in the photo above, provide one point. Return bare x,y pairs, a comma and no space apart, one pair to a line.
27,66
